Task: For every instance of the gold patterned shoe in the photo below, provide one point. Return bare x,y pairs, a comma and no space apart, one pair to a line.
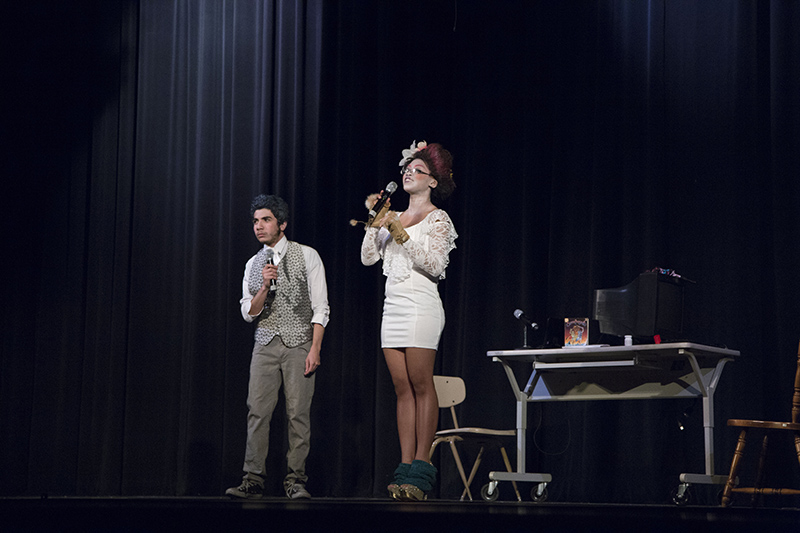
394,491
412,493
400,473
419,482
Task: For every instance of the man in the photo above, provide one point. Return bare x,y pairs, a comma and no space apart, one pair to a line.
284,291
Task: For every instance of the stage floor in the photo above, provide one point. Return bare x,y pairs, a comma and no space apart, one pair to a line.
332,514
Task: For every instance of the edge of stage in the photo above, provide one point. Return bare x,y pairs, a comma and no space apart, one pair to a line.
325,514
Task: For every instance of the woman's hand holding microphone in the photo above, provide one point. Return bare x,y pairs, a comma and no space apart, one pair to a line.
388,219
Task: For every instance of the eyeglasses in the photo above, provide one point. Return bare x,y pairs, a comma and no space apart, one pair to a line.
416,171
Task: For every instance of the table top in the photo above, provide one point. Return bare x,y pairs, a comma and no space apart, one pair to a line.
604,351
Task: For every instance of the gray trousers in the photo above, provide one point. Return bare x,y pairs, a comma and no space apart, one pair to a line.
270,366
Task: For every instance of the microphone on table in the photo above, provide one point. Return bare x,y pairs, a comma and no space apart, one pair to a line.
387,192
272,287
519,315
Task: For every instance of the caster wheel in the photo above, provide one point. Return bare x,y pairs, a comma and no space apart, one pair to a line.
681,495
539,493
486,495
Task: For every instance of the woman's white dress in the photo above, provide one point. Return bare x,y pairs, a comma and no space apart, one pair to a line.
413,315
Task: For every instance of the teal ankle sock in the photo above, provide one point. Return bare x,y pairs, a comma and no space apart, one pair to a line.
422,475
401,473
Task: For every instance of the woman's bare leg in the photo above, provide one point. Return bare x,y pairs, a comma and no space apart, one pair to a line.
419,365
406,403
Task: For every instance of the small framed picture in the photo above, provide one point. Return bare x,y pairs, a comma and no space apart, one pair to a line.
576,332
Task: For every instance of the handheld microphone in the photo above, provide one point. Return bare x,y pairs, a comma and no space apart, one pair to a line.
272,287
387,192
519,315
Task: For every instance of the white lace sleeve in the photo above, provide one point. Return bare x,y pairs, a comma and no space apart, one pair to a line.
441,236
370,251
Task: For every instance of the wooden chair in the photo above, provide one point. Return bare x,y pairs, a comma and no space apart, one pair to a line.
451,391
768,427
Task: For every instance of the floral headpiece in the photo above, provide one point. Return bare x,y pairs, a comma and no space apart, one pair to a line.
413,149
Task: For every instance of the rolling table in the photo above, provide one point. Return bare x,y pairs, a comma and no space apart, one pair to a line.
601,372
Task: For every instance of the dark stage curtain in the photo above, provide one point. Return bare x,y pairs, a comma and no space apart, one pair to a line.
592,141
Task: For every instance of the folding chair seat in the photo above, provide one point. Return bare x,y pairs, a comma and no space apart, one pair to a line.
451,391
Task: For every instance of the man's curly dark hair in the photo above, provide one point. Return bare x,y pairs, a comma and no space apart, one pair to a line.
276,204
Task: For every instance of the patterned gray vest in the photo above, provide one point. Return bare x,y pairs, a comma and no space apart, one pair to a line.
290,313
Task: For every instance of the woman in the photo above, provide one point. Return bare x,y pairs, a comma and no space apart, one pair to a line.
415,245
